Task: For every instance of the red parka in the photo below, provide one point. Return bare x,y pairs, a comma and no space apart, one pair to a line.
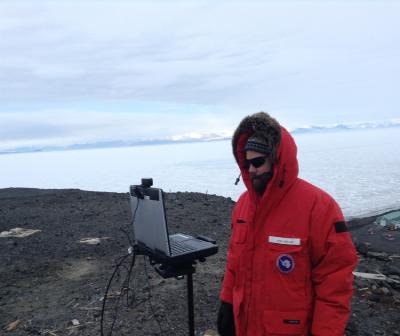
290,258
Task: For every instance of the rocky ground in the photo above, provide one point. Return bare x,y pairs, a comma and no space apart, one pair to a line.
53,284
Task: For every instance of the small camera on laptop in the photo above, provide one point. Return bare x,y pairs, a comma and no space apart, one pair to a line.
142,190
147,182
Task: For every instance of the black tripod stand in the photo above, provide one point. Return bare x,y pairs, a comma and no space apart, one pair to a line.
178,271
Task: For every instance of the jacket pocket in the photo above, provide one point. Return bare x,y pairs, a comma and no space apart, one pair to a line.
285,323
239,234
288,272
288,258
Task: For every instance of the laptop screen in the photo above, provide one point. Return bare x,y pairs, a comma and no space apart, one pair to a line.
149,225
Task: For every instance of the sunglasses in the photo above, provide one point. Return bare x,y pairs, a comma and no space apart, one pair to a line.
256,162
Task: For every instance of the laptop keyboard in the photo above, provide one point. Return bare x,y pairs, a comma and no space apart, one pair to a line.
180,247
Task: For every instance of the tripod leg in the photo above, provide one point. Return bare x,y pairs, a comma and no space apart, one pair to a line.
189,279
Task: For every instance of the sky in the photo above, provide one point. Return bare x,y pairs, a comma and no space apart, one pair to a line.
87,71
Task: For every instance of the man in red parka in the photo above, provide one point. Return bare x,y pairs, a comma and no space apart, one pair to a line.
290,258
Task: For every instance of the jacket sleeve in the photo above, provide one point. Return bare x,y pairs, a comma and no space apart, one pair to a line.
229,279
231,262
334,258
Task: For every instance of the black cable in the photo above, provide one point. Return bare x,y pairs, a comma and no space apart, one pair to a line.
134,212
126,231
152,308
127,236
128,282
117,261
116,308
106,293
149,287
125,288
126,285
134,255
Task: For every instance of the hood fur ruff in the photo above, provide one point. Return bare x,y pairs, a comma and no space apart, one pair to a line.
261,125
283,148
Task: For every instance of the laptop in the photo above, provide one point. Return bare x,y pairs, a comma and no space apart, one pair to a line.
150,228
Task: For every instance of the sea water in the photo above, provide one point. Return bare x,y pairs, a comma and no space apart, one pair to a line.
359,168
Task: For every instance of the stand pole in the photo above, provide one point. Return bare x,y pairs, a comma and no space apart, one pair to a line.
189,281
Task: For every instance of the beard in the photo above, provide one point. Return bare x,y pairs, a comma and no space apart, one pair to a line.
260,182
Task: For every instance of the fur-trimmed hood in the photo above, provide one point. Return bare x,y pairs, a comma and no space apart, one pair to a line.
261,125
283,148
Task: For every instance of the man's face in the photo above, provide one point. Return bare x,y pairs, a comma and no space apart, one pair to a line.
259,167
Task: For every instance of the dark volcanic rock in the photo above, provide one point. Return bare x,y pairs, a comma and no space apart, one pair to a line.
49,279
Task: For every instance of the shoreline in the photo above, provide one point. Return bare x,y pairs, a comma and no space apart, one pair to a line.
33,192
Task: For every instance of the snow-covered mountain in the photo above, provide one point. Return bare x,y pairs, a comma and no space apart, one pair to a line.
198,137
347,126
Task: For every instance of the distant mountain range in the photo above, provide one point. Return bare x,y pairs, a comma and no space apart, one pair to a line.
196,137
347,127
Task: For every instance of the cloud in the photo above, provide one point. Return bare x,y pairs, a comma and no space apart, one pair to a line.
147,48
306,62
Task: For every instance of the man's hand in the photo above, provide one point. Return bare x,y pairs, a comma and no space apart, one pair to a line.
226,323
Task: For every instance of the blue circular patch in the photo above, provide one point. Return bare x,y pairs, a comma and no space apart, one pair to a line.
285,263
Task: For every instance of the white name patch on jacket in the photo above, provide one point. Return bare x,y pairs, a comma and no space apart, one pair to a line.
284,240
